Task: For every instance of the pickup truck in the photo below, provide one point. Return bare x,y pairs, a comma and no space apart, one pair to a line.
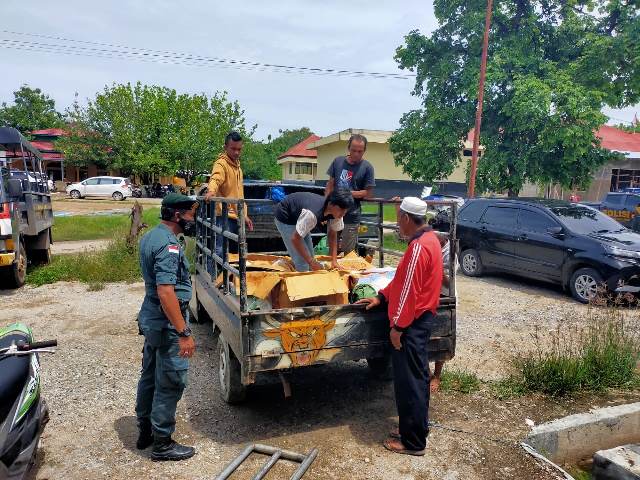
26,214
259,340
621,206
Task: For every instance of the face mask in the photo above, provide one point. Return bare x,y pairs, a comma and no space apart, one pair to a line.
188,227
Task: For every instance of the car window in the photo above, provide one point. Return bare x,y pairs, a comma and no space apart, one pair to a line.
536,221
104,181
501,216
91,181
584,220
615,199
632,201
472,211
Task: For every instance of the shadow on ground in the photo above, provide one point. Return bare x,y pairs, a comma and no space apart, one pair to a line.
323,397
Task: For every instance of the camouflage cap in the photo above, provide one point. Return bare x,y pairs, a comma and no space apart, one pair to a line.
179,201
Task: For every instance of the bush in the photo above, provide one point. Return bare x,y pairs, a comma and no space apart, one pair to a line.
603,354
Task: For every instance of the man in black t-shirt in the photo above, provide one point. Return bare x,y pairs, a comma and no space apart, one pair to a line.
353,173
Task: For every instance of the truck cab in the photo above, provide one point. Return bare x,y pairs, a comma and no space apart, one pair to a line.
623,207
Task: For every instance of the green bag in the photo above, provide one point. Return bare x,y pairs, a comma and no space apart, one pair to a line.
322,248
362,290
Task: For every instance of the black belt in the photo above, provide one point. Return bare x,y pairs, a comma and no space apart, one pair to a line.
184,304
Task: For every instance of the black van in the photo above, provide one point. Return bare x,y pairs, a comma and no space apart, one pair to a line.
570,244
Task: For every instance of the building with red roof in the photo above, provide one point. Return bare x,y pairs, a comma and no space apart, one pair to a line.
300,162
54,164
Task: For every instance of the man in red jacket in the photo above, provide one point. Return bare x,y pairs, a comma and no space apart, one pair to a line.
412,299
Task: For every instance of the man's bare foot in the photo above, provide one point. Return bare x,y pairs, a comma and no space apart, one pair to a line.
434,384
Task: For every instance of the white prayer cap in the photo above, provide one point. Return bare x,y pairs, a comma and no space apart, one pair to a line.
414,206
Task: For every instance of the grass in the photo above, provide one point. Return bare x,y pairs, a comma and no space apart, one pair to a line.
392,242
602,354
117,263
94,227
388,212
459,381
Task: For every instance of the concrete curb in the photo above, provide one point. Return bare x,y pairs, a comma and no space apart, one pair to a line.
578,436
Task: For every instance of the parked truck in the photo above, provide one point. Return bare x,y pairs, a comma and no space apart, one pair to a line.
255,341
26,213
621,206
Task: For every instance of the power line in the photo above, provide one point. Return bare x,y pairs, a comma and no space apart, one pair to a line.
110,50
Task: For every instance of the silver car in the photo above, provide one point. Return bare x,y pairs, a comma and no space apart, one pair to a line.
117,188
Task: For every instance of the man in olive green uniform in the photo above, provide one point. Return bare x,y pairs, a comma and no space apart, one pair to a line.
164,322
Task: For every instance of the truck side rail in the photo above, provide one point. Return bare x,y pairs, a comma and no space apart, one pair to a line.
207,232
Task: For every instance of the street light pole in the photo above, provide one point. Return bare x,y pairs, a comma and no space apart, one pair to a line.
483,73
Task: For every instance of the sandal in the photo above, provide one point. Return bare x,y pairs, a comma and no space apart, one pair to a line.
389,445
395,433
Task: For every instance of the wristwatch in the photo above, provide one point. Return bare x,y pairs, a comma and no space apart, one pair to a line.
185,333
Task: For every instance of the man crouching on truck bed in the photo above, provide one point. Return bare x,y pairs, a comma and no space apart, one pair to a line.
299,213
412,299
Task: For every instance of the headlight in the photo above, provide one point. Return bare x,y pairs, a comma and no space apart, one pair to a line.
621,252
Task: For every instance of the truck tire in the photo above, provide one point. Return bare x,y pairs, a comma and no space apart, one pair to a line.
232,390
75,194
15,275
380,367
470,263
584,284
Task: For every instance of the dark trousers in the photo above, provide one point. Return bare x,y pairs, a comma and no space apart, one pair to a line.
411,383
162,380
232,227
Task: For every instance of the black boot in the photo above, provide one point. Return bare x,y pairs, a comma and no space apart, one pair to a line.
164,448
145,435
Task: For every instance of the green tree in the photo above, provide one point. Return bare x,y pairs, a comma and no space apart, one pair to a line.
260,159
144,129
552,66
31,110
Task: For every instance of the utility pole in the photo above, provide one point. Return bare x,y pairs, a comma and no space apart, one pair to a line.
483,74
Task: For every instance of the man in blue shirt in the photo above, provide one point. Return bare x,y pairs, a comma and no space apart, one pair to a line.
164,322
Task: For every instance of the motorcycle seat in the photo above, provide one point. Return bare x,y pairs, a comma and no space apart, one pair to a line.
14,372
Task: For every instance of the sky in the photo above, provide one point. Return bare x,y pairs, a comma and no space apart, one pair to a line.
355,35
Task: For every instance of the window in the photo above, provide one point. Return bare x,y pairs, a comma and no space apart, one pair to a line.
621,179
585,220
615,199
290,168
536,221
501,216
304,169
472,211
105,181
92,181
632,201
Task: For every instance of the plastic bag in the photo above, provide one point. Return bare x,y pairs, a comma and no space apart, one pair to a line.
322,248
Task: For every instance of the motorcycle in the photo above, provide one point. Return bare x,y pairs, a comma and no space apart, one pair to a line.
136,191
23,412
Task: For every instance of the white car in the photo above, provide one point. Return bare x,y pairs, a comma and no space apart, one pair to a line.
117,188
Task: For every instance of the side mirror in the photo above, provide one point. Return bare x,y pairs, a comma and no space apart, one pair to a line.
14,187
557,232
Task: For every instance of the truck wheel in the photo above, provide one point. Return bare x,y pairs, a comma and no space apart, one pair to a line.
470,263
15,275
117,196
584,284
231,388
75,194
380,367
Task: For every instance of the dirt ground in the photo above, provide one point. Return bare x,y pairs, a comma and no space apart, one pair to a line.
90,384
